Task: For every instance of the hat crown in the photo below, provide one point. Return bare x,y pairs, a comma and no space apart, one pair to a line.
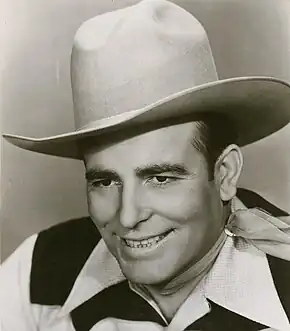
130,58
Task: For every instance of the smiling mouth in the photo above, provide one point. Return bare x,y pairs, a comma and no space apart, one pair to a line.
145,243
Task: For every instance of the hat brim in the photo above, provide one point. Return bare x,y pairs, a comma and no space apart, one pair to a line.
258,107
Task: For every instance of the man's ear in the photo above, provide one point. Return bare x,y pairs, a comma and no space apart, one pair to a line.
227,171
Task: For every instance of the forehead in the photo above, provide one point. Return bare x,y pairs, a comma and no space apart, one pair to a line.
168,144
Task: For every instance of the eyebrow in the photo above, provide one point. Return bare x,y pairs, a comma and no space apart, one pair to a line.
98,173
141,172
155,169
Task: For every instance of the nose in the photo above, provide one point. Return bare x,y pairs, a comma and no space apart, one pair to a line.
133,209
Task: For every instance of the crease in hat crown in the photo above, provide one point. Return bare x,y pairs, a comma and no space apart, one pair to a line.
133,57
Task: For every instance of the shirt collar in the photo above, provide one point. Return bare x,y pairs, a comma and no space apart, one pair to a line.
239,281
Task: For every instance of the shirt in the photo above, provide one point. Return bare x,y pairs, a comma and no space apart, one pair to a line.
240,281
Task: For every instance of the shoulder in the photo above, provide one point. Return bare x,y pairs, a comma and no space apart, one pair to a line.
42,270
280,269
18,261
15,308
58,256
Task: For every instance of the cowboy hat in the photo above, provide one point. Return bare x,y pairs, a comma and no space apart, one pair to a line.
151,62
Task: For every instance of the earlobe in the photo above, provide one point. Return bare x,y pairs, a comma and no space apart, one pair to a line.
227,171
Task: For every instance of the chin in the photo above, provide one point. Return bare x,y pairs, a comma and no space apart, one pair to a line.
146,275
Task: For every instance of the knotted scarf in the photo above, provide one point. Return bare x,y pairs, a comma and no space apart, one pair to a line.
269,234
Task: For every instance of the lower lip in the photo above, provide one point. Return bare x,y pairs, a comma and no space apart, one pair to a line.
143,251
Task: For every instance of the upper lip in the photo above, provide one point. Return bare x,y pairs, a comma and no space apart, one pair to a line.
145,237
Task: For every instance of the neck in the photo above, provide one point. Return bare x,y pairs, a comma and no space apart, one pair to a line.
171,296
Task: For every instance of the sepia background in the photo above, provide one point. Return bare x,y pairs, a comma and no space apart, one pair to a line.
247,37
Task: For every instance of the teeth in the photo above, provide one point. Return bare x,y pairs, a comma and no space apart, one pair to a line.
144,243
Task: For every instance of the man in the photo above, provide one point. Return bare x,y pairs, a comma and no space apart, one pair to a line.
170,243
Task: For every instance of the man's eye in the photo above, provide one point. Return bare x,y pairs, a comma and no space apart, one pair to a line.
161,180
102,182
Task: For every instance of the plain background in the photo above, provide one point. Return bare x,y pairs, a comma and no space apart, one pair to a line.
248,37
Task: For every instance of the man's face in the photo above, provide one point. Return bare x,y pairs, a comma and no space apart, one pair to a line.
152,201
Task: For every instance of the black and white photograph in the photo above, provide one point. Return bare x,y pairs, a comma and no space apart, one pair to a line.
145,165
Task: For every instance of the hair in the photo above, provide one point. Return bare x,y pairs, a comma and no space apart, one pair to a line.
215,133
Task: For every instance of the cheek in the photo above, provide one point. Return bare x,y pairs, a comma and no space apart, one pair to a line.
103,207
187,202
